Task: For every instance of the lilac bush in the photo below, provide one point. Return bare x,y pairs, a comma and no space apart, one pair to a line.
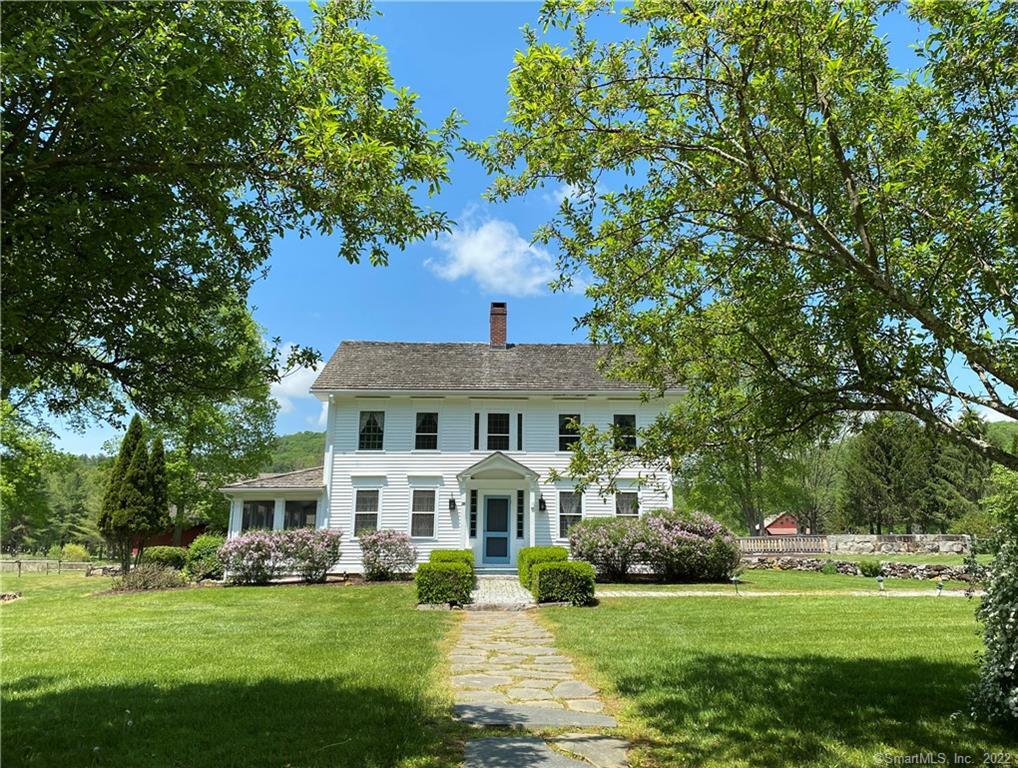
251,558
688,547
387,555
257,557
611,544
308,552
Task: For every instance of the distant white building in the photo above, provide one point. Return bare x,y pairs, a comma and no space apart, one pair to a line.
453,443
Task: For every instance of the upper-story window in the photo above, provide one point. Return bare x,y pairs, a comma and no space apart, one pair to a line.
426,438
498,431
568,431
372,431
300,514
627,503
625,431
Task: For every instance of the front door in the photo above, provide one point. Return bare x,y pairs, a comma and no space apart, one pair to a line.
496,529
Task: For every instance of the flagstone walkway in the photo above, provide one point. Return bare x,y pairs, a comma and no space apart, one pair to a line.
507,672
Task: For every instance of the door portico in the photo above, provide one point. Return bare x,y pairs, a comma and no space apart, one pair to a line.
503,498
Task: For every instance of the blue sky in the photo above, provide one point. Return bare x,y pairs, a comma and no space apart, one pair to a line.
455,55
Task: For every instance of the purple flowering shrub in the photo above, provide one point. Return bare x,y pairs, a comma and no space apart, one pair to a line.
387,555
688,547
611,544
250,558
309,552
257,557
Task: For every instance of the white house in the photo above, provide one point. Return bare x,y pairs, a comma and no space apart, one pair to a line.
453,443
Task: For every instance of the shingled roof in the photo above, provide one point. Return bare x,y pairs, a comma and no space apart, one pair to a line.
310,479
378,365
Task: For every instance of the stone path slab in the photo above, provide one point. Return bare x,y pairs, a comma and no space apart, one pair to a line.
530,715
599,751
500,593
516,752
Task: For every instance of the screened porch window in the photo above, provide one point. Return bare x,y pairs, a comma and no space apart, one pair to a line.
422,514
300,514
498,431
372,431
365,518
627,503
257,514
427,432
570,512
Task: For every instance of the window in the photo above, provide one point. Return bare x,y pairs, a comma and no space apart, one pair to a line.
519,514
257,514
372,431
422,514
498,431
519,431
473,514
300,514
627,503
570,512
365,518
625,432
477,431
568,431
427,432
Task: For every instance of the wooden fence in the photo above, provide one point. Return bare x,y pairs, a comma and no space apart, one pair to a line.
783,545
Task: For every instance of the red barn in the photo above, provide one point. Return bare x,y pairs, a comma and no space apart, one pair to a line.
781,525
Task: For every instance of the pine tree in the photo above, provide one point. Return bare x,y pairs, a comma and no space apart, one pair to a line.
158,516
109,516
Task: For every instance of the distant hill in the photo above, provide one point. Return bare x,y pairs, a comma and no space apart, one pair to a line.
301,450
1003,433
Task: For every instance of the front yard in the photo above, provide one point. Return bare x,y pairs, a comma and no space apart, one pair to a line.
276,676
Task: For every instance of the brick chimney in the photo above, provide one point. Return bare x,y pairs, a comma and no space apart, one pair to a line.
498,313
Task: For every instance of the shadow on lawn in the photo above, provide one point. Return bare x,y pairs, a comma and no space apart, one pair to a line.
270,723
766,711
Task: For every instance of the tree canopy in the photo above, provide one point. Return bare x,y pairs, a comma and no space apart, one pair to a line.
771,216
152,152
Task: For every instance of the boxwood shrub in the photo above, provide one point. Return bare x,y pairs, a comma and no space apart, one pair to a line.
202,558
168,557
563,582
452,556
531,556
440,583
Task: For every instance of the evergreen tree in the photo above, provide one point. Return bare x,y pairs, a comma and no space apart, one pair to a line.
127,501
157,485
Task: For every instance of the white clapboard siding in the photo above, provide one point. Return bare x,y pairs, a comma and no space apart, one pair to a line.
398,467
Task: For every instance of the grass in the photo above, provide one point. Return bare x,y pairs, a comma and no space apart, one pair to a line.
897,558
795,581
829,681
275,676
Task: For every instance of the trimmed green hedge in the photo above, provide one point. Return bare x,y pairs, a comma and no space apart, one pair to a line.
439,583
452,556
531,556
168,557
557,582
202,559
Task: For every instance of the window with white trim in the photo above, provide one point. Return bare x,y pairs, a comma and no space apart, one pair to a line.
498,431
625,431
568,431
627,503
258,515
365,511
300,514
426,438
570,511
422,513
372,431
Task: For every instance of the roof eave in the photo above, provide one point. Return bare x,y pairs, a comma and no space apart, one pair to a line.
323,393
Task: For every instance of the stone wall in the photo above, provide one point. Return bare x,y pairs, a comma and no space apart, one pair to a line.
922,543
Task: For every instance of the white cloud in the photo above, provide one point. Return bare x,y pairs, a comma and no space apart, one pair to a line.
556,195
496,256
294,385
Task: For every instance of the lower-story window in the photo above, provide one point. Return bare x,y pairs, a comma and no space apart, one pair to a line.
422,514
570,511
300,514
365,518
627,503
257,514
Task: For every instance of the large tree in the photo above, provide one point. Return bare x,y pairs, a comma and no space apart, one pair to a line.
761,204
152,152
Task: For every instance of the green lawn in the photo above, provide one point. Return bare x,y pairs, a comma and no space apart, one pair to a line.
796,581
929,559
827,681
277,676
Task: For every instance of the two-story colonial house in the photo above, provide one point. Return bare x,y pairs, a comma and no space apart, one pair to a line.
454,443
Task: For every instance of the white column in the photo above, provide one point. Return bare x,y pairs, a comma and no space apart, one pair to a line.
277,514
535,495
236,510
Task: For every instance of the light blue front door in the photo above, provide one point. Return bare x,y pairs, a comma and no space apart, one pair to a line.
496,529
